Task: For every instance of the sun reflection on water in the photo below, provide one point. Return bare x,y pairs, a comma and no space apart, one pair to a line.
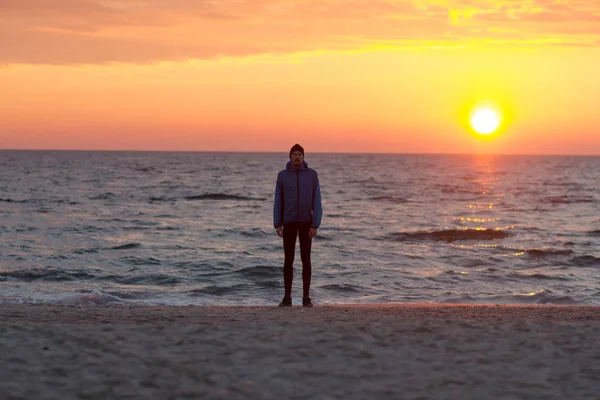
467,246
479,220
479,206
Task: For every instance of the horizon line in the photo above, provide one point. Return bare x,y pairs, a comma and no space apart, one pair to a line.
312,152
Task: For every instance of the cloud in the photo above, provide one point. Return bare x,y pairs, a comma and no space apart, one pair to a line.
546,13
144,31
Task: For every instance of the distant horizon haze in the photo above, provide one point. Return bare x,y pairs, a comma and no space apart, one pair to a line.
285,151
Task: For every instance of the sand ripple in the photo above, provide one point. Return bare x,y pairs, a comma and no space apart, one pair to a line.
349,352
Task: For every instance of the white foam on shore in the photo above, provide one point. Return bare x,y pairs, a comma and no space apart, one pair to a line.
13,300
97,297
94,297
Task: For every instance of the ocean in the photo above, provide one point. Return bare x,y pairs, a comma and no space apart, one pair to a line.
186,228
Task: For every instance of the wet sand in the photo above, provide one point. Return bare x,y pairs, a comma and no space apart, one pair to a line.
403,351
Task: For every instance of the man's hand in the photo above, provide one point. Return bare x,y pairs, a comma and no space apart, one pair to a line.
312,233
280,231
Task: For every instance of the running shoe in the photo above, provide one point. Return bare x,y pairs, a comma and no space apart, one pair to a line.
286,302
306,302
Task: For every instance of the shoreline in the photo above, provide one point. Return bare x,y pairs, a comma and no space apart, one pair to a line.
127,314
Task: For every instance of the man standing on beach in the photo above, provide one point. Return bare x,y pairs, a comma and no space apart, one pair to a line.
297,212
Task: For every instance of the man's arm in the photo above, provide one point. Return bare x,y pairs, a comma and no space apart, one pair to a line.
317,207
278,205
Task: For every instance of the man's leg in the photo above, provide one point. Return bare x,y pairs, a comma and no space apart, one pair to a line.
289,247
305,246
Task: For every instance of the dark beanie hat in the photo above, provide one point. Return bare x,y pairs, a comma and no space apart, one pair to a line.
296,147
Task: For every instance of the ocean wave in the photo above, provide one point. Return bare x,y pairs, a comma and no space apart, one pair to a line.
58,201
13,300
458,190
215,290
568,199
24,229
543,297
132,260
48,274
152,199
85,229
144,222
269,284
571,185
534,209
112,220
539,253
146,169
152,279
343,287
537,276
103,196
594,233
323,238
340,229
131,295
453,272
127,246
533,252
85,251
530,228
540,297
13,201
585,261
476,262
489,269
255,233
169,216
221,196
260,271
248,206
93,297
366,181
393,199
450,235
524,191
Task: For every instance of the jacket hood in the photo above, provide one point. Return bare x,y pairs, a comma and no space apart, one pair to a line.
289,166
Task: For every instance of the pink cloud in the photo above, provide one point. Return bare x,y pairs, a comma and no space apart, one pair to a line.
143,31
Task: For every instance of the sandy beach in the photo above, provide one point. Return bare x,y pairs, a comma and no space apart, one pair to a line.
399,351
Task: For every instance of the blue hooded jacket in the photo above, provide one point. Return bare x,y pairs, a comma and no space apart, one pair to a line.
297,196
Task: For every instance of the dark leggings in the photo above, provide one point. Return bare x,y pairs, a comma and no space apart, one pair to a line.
290,232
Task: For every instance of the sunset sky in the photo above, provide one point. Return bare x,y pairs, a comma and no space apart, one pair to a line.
261,75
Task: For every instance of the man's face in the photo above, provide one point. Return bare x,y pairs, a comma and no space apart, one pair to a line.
297,158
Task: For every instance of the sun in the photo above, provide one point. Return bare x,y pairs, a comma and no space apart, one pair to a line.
485,121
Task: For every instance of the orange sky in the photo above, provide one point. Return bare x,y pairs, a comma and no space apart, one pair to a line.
344,76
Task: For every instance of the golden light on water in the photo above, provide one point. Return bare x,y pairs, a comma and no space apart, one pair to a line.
490,205
480,220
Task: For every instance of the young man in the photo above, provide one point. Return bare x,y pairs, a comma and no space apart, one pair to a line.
297,212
